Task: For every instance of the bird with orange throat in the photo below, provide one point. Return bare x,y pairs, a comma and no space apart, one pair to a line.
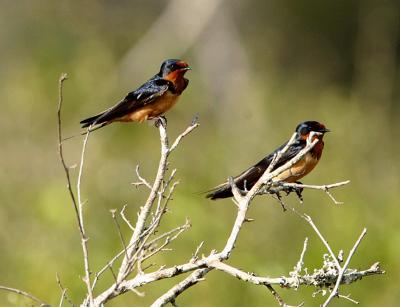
249,177
149,101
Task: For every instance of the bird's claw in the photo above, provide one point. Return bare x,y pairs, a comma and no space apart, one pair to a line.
161,120
279,198
297,190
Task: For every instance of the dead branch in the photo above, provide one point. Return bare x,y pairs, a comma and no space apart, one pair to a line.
216,260
144,243
138,250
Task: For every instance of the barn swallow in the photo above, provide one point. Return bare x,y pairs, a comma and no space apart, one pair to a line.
249,177
149,101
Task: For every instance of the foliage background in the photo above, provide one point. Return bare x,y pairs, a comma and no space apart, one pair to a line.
259,68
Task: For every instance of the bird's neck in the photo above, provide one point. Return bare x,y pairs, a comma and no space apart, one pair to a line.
316,151
179,85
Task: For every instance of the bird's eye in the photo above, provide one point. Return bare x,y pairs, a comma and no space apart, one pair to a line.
304,130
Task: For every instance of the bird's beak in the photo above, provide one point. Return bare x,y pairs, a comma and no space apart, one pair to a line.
325,130
184,66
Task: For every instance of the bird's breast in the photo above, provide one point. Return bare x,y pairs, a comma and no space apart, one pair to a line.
298,170
154,109
164,103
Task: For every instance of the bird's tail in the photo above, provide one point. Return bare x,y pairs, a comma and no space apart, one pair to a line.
222,191
91,120
85,132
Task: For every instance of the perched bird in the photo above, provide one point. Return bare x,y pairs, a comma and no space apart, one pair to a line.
150,100
249,177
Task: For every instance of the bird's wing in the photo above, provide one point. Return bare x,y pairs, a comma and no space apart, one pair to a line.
249,177
144,95
289,154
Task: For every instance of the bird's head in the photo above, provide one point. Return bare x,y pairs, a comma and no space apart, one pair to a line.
304,129
172,70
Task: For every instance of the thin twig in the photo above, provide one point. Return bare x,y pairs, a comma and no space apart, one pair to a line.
122,213
26,294
278,297
324,241
196,253
326,188
64,292
169,233
347,297
142,181
62,297
166,242
84,238
300,263
64,77
76,201
189,129
121,237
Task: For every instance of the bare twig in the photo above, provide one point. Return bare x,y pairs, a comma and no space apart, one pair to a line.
64,77
310,221
141,181
168,239
326,188
169,233
64,295
300,263
299,266
347,297
315,187
189,129
122,213
78,205
84,238
196,253
278,297
121,237
26,294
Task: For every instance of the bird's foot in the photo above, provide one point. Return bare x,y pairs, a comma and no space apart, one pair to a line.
160,120
297,190
279,198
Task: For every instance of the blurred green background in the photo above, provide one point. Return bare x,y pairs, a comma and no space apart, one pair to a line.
259,68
